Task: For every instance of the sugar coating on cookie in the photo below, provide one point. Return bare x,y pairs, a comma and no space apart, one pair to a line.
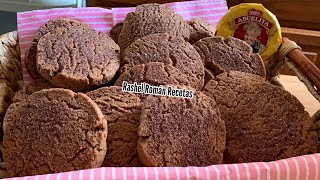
77,60
181,132
150,19
264,122
168,49
51,25
38,85
155,73
34,86
53,131
230,54
122,110
200,29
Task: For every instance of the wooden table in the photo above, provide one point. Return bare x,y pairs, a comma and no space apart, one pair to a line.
298,89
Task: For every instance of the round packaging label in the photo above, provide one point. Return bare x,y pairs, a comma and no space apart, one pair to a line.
254,24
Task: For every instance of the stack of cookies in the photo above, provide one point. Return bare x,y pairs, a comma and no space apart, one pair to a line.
76,115
69,54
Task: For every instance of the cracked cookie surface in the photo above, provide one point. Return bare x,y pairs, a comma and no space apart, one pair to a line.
169,50
51,25
200,29
77,60
220,55
181,132
155,73
264,122
54,130
122,111
150,19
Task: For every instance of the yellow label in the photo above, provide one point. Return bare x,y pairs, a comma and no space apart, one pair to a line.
254,24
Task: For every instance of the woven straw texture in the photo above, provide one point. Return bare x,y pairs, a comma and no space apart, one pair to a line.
10,69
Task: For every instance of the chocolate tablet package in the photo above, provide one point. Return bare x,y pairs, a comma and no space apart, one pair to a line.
254,24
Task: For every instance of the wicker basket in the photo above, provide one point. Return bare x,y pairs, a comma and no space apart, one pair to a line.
10,69
11,79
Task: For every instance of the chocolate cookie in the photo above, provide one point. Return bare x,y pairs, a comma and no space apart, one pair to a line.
150,19
220,55
169,50
31,88
200,29
76,59
264,122
155,73
54,130
115,31
208,75
181,132
122,110
51,25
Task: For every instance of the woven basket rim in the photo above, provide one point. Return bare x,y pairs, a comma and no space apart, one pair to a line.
5,36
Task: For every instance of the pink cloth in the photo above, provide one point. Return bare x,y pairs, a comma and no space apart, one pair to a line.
303,167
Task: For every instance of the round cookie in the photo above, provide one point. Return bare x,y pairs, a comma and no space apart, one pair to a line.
200,29
150,19
54,130
180,131
230,54
264,122
23,94
76,59
169,50
51,25
155,73
115,31
122,110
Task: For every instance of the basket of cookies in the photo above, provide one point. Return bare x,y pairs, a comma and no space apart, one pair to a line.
180,90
